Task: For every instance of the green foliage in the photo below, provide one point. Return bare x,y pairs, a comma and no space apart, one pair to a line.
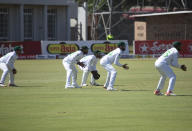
41,103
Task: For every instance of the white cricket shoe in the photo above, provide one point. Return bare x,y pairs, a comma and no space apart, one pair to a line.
111,89
170,93
2,85
69,87
84,85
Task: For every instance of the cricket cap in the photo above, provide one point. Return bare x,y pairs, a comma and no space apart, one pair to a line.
176,44
84,48
96,52
17,48
121,44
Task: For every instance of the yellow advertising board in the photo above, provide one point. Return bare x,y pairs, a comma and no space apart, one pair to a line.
105,47
62,48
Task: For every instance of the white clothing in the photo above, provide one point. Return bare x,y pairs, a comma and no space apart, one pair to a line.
74,57
7,65
106,62
90,62
9,59
112,57
111,75
170,57
71,71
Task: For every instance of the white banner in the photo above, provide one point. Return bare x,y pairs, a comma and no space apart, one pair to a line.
66,47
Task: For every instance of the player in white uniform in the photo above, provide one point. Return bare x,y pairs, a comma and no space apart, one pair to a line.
90,62
7,66
108,60
69,65
163,63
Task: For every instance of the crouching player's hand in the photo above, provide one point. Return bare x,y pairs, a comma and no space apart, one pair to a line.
14,71
81,64
183,67
125,66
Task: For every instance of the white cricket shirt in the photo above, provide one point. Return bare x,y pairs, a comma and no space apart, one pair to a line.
9,59
90,62
74,57
170,57
112,57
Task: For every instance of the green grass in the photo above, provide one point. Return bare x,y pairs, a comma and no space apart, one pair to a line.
41,103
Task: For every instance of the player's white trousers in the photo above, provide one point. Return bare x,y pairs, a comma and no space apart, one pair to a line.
111,74
71,73
85,76
165,72
5,70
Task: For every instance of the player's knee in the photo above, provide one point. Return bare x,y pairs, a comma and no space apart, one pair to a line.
5,70
69,70
163,76
173,76
114,72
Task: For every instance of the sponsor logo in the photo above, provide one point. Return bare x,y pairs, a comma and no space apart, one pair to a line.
144,48
160,47
155,48
62,48
105,47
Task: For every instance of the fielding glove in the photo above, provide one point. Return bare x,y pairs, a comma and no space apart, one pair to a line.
183,67
95,74
14,71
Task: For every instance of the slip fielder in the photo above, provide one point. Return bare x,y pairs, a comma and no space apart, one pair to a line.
163,63
108,60
69,65
7,66
90,62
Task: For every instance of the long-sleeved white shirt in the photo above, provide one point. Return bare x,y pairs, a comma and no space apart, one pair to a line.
9,59
74,57
170,57
113,57
90,62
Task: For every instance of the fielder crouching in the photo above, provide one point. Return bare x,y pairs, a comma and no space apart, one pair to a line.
90,62
69,65
7,66
107,61
163,63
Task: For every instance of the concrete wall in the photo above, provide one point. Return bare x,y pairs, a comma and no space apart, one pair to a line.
66,9
38,2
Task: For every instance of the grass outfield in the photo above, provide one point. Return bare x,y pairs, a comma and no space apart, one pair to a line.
41,103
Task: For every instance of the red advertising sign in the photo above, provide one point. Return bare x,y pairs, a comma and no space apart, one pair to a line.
29,49
159,47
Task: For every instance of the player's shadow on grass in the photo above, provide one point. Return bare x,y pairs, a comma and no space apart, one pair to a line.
120,85
29,86
183,95
134,90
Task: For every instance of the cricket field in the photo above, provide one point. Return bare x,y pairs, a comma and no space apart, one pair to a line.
41,103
